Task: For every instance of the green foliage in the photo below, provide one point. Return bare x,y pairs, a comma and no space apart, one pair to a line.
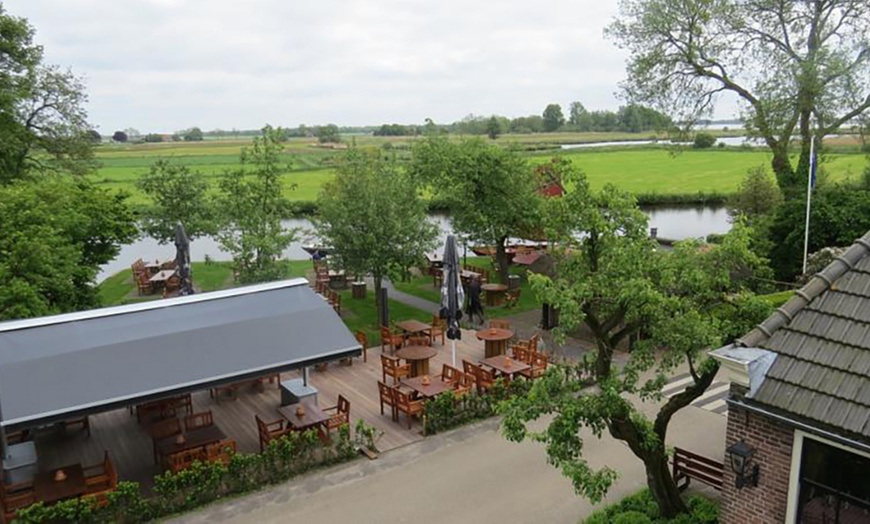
43,123
493,128
703,141
553,118
249,210
194,134
448,411
641,508
153,138
367,436
55,233
758,195
178,195
372,216
327,134
786,75
204,483
120,136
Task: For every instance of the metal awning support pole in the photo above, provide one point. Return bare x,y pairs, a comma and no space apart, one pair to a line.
305,376
3,442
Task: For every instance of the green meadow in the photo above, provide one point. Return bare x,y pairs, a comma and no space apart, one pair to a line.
639,169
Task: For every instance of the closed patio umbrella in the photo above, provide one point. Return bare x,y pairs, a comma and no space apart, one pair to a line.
452,294
182,260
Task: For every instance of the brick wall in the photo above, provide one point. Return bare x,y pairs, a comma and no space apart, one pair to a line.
772,440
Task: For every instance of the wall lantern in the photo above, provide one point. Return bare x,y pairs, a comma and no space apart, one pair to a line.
741,457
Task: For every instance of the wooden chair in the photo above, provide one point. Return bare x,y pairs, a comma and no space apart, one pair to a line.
385,395
511,297
335,301
521,354
393,340
485,380
437,278
198,420
500,323
143,284
101,479
173,284
363,340
222,451
464,383
449,373
470,368
269,431
84,422
161,430
169,264
405,405
419,341
15,497
184,459
392,367
539,366
530,345
341,415
438,329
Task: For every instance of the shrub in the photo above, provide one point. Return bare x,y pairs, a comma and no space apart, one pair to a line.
641,508
703,141
448,411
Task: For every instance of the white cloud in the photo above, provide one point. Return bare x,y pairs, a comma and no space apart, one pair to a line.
163,65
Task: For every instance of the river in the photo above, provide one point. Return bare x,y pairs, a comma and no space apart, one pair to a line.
673,223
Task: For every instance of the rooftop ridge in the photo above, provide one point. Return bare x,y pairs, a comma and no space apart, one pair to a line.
817,285
27,323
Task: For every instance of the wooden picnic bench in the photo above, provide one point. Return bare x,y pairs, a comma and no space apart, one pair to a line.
688,466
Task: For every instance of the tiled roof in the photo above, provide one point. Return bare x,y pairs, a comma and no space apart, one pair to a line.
822,340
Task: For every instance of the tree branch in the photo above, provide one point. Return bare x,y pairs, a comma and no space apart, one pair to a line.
681,400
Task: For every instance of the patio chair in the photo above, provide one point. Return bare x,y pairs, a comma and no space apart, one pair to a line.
101,479
184,459
449,373
15,497
222,451
470,368
392,367
198,420
485,380
539,366
500,323
521,354
341,415
363,340
464,383
405,405
419,341
511,297
84,422
391,339
143,284
269,431
385,395
161,430
438,329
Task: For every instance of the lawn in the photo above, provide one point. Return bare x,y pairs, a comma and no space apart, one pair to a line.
646,169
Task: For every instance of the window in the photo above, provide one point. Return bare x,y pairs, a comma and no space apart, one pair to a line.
834,485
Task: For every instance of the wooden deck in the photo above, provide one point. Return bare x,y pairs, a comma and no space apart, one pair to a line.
130,447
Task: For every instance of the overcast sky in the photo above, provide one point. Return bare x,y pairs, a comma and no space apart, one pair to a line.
165,65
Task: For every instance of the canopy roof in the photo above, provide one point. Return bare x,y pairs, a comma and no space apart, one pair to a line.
63,366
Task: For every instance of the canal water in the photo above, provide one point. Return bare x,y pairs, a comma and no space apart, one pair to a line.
672,223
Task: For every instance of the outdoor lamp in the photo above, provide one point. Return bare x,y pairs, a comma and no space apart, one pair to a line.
741,457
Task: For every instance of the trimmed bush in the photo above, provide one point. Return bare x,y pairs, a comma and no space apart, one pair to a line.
641,508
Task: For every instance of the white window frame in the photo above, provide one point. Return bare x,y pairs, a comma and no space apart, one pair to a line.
797,449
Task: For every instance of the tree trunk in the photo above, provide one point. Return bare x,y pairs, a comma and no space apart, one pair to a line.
785,174
378,282
501,259
662,486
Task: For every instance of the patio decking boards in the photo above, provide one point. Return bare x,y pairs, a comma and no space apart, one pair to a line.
130,447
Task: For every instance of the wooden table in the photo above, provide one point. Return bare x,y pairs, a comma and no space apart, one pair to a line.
196,438
505,365
314,416
161,277
418,357
435,387
49,490
412,327
494,340
494,293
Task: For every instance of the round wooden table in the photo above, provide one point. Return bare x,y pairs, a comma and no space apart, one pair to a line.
494,293
494,340
418,357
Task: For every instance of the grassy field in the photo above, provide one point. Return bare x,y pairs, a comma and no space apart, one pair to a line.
638,170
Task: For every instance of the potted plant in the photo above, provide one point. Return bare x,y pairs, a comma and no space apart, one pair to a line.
366,438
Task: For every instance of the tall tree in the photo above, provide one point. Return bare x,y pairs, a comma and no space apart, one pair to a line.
249,210
790,62
610,278
55,233
43,124
553,118
578,117
491,191
372,216
178,195
493,128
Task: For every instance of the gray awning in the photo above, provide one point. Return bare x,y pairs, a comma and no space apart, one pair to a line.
58,366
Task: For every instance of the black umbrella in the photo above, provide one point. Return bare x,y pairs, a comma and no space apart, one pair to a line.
452,294
182,260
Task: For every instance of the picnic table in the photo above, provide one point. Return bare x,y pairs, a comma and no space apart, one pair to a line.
505,365
434,388
418,357
162,276
313,416
47,488
494,340
494,293
413,327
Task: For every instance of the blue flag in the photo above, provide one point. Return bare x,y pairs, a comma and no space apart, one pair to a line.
813,163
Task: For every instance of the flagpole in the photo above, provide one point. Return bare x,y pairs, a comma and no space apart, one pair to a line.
809,198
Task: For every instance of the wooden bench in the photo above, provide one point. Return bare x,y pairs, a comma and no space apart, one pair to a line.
688,466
